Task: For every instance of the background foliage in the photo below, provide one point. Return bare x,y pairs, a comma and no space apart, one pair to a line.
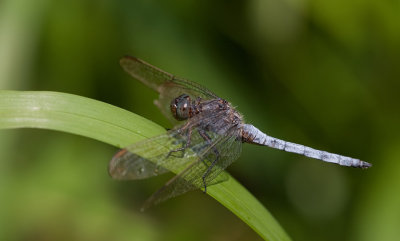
320,73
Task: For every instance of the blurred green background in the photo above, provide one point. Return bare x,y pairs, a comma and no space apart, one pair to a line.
321,73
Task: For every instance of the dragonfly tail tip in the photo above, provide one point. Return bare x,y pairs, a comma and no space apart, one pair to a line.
365,165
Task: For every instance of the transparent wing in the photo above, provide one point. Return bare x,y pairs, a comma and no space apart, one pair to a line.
166,84
149,157
157,155
126,165
154,77
223,151
188,149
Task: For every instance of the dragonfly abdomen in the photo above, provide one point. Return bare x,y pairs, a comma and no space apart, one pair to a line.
253,135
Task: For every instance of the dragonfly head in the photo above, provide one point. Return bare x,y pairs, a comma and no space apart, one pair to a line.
180,107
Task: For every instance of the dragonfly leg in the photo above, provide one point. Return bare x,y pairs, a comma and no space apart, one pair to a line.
183,148
207,138
209,170
204,135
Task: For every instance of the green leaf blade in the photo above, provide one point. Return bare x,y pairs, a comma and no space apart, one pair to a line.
115,126
74,114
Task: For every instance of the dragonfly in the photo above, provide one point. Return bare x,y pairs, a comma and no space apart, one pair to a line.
207,137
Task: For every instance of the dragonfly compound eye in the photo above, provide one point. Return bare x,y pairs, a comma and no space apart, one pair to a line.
180,107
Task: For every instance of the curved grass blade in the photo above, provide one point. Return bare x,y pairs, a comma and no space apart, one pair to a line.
118,127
